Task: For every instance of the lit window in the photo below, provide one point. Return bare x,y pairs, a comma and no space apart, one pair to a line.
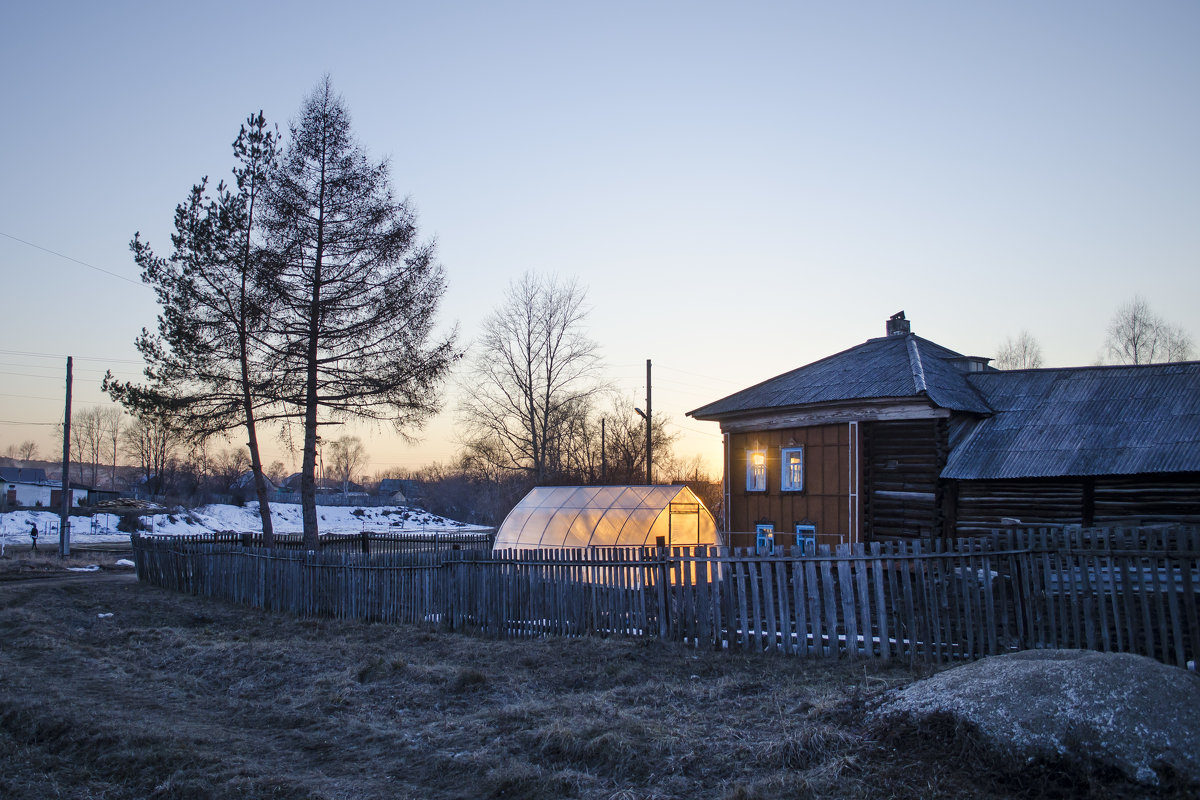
764,542
792,462
756,470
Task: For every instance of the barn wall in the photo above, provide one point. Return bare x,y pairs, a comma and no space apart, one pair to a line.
1147,498
1040,501
902,496
1100,500
824,501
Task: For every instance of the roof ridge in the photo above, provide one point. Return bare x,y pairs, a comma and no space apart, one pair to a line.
918,369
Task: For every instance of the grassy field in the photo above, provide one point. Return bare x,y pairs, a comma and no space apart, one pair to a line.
180,697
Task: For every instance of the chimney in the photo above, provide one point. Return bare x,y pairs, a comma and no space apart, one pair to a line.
897,325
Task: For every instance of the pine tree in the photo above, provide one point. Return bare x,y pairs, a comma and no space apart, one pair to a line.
203,363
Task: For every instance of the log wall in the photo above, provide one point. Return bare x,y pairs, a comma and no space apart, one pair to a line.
902,495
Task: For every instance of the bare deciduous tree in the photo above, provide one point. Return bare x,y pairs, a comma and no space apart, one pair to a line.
347,456
277,473
1137,335
533,373
151,441
27,450
1023,352
625,444
112,425
229,466
87,441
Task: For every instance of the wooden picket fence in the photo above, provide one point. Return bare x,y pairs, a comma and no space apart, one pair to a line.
368,541
1132,590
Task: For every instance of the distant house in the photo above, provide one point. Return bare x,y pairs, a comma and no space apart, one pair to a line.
400,491
245,482
901,437
31,488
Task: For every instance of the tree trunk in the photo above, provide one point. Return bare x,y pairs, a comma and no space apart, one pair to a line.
260,484
308,487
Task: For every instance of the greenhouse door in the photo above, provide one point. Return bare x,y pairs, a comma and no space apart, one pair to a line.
683,525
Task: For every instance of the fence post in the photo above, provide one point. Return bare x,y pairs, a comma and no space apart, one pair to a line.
664,592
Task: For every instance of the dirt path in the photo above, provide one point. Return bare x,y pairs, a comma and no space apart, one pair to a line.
54,579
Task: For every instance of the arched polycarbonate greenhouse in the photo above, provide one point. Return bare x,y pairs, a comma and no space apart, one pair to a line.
560,517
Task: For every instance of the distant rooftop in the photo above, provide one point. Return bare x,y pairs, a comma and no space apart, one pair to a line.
23,475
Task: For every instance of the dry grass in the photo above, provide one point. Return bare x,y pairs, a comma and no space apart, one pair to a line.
180,697
21,562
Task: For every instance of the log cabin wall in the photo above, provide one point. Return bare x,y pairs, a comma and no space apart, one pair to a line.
902,494
1166,497
981,505
825,499
1099,500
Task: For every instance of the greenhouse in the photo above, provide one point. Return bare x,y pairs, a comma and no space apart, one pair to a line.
560,517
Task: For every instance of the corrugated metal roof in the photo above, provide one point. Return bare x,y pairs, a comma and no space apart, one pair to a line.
890,366
23,474
1081,421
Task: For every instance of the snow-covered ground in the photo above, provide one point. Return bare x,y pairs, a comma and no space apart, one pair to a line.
15,525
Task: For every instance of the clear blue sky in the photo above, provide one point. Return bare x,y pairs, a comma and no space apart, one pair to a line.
743,187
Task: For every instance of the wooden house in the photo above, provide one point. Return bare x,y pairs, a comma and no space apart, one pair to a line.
901,437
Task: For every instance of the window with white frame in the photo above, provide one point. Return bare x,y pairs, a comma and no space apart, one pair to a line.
756,470
791,462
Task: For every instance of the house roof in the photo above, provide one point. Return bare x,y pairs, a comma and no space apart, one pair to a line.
1078,421
1120,420
246,481
897,366
23,475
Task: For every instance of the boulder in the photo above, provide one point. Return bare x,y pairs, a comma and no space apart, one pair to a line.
1119,709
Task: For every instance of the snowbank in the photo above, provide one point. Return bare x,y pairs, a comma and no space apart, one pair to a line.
15,525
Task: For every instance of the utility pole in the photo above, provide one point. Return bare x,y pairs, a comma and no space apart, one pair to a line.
646,415
603,456
649,426
64,519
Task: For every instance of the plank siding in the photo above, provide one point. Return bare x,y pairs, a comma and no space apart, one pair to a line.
824,501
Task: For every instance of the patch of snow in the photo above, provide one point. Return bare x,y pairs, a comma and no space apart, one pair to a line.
88,568
125,562
285,517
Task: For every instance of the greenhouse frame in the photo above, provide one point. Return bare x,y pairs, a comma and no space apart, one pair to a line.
570,517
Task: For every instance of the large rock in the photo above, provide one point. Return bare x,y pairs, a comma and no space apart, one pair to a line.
1119,709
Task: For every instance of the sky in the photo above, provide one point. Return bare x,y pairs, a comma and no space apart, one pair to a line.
743,188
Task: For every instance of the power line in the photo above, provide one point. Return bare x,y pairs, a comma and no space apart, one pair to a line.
75,260
19,422
696,430
706,377
64,355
